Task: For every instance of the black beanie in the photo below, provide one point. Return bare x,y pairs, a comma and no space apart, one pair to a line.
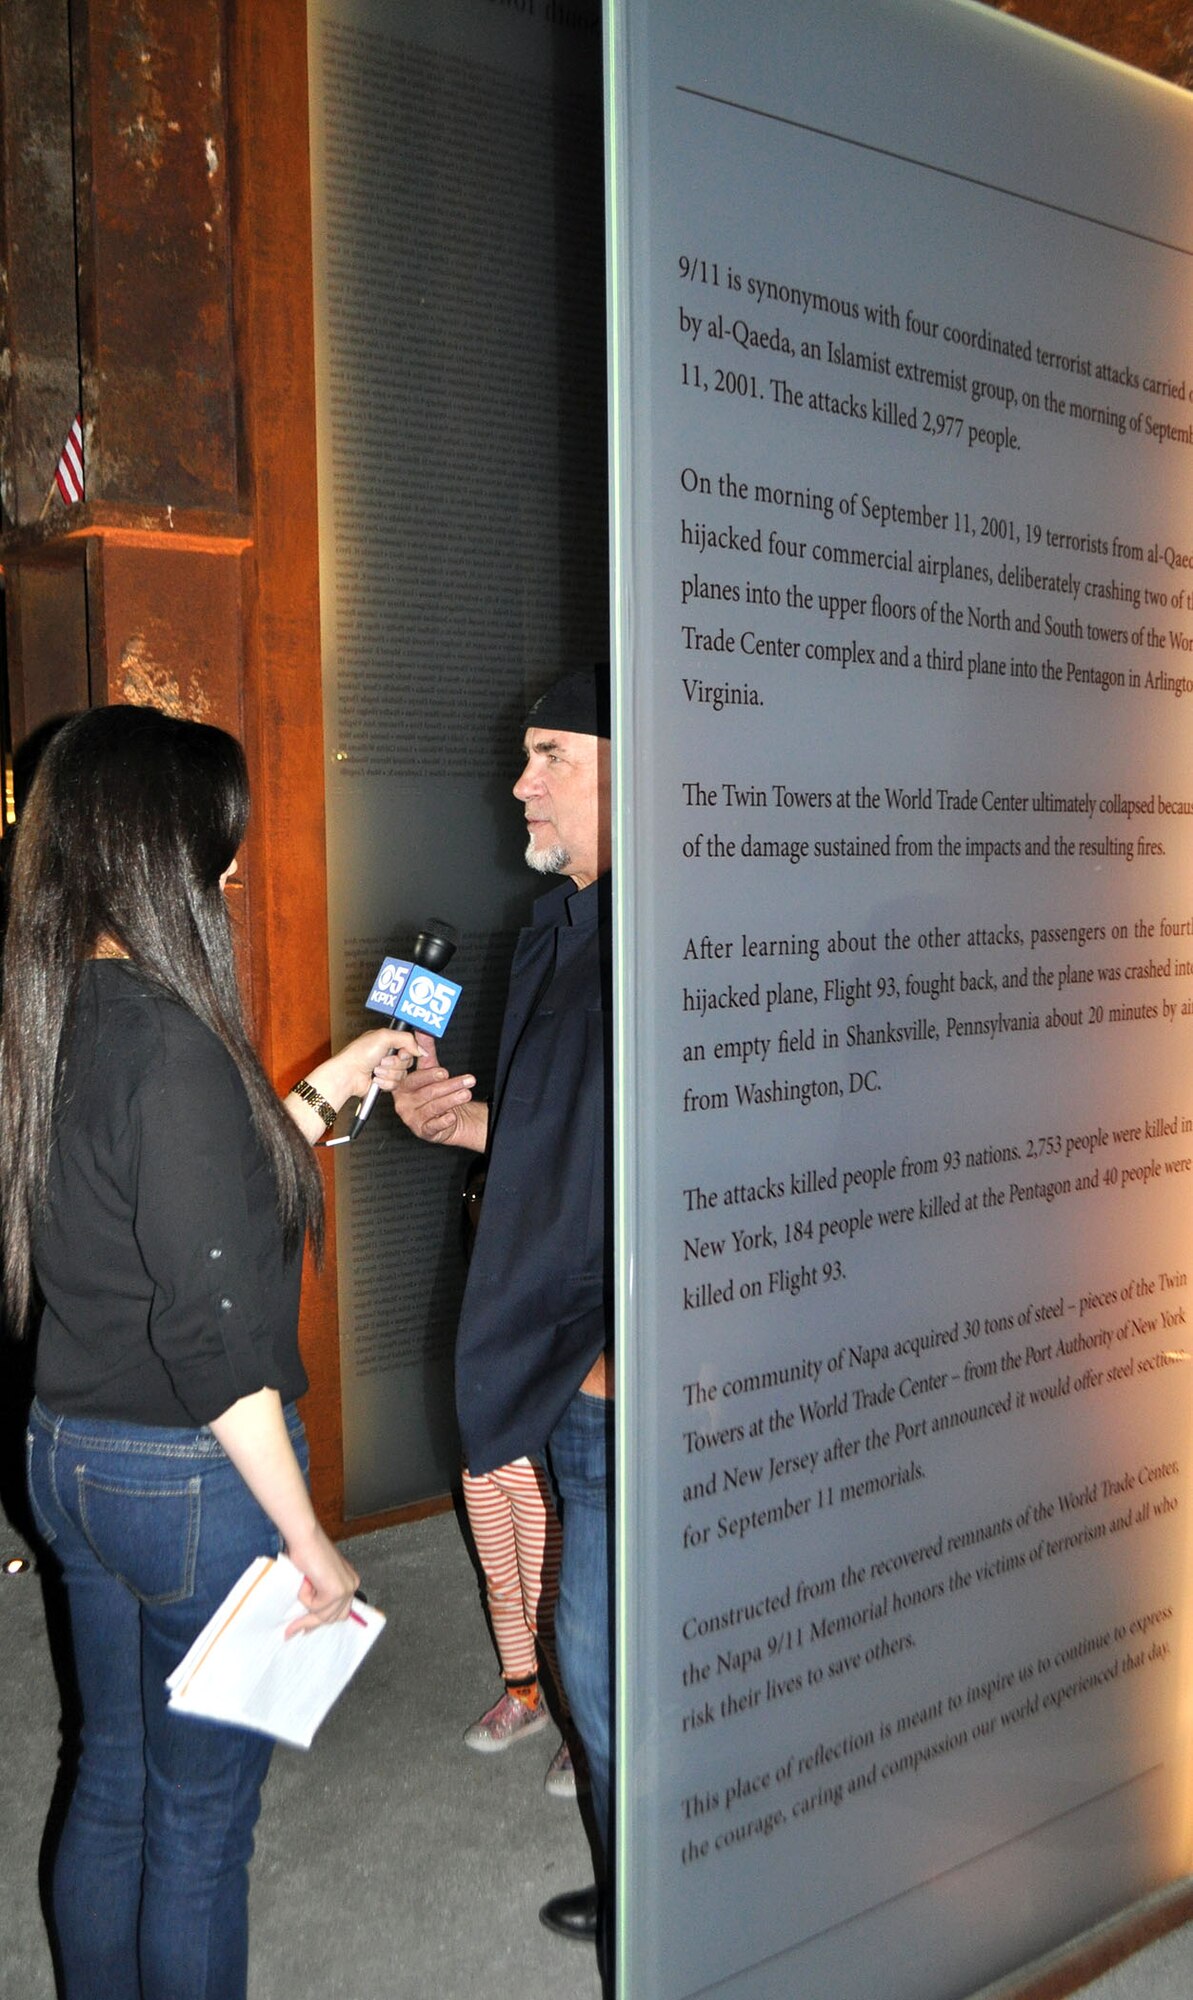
579,703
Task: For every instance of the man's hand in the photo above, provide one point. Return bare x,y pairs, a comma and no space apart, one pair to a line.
439,1107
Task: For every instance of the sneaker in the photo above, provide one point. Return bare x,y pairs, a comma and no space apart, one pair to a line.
560,1780
566,1774
507,1719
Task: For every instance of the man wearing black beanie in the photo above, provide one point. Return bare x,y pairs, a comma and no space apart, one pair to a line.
534,1371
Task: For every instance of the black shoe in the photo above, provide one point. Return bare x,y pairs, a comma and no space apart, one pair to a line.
573,1915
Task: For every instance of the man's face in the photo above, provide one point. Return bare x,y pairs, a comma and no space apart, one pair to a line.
564,792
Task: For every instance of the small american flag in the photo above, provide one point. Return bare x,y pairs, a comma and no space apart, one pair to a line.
70,466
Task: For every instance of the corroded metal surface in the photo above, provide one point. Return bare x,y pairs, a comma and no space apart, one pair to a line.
39,358
200,530
1154,35
159,391
169,633
46,619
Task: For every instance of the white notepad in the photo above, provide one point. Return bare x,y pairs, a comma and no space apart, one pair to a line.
243,1669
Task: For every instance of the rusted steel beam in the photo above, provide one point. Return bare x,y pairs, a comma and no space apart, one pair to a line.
195,529
39,378
1155,35
283,697
159,386
46,618
165,630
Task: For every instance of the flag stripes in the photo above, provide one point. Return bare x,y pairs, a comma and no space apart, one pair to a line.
70,466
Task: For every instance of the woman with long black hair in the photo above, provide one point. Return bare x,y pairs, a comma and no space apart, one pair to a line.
155,1196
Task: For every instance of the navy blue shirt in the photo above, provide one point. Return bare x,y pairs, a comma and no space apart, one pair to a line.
160,1251
537,1305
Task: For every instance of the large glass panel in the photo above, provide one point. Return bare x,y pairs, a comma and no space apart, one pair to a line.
902,583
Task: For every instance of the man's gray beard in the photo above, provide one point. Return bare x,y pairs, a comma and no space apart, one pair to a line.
547,860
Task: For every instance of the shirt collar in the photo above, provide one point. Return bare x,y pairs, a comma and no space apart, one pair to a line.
579,908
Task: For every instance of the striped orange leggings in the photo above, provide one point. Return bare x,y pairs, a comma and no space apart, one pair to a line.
516,1531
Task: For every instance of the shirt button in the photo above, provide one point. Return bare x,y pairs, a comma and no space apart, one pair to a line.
225,1305
215,1251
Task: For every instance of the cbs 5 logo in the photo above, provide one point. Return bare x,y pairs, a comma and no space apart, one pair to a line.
389,983
438,995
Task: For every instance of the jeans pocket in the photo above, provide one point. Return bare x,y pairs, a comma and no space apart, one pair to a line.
144,1532
40,1522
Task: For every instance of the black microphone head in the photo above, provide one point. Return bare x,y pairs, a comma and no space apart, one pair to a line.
435,945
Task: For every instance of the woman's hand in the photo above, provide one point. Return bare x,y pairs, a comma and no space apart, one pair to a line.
254,1435
381,1056
439,1107
329,1582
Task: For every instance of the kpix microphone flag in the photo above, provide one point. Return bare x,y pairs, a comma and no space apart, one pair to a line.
412,993
407,992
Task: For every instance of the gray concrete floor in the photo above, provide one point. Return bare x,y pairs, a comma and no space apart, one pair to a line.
1163,1972
392,1862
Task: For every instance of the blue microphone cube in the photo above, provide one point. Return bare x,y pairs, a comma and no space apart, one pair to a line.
410,994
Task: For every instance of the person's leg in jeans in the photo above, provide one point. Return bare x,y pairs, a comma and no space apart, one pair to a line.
151,1529
96,1888
203,1779
581,1455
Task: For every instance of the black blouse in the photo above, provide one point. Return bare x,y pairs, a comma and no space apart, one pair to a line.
160,1252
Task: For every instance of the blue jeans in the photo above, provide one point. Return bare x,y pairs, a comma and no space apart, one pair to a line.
151,1527
580,1449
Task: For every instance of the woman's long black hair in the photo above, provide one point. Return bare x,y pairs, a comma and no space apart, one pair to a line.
130,822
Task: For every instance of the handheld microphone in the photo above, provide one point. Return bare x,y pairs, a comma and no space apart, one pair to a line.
413,991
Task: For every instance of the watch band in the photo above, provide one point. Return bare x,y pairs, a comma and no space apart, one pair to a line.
315,1098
